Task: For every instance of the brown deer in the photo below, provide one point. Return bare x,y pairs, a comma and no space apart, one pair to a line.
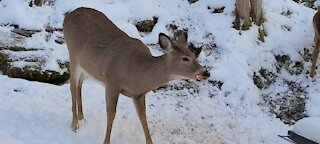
100,50
256,11
242,15
315,53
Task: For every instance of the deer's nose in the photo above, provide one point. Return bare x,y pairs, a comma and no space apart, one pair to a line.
206,74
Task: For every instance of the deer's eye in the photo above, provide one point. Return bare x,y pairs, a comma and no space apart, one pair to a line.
185,59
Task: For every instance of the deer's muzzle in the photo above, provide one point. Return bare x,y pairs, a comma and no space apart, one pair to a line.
202,76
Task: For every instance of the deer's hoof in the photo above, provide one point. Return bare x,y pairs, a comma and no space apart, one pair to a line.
312,73
75,126
149,141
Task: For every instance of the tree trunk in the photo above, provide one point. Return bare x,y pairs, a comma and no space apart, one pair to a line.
256,11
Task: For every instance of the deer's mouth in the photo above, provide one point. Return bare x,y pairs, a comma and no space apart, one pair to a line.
200,77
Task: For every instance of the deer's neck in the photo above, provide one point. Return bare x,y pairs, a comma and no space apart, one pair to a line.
158,72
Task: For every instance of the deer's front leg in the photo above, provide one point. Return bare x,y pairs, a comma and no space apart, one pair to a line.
140,105
112,96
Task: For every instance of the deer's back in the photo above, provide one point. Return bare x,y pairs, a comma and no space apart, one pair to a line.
86,25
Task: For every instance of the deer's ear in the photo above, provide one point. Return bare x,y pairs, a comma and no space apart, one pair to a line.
165,42
181,36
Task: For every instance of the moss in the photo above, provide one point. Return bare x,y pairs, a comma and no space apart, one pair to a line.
262,34
146,25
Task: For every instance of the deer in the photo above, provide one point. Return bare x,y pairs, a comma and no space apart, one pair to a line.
98,49
315,53
256,11
242,14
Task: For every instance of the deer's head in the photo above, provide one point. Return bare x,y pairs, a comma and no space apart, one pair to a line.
180,59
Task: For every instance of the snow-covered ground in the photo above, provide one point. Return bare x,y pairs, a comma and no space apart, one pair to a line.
35,113
182,112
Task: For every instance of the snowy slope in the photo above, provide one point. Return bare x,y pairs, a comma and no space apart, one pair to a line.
183,112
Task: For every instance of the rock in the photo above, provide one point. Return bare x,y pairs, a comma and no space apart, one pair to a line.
146,25
59,40
33,71
283,60
172,27
264,78
192,1
216,10
50,29
35,2
24,32
307,3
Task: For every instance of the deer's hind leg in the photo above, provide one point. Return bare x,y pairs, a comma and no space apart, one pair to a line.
75,87
79,97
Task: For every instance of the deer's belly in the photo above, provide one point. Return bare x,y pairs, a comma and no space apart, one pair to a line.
133,92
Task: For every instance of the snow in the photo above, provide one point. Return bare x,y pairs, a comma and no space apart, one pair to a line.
308,128
26,17
183,112
288,34
33,112
313,107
